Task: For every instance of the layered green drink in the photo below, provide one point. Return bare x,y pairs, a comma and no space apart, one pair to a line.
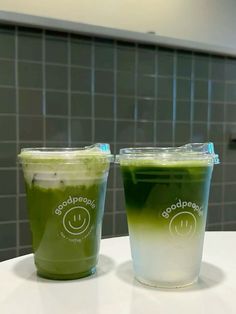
65,191
166,193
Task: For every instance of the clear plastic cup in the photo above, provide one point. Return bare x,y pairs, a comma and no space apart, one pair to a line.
166,194
65,190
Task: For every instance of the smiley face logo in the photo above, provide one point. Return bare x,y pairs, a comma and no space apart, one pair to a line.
183,225
76,220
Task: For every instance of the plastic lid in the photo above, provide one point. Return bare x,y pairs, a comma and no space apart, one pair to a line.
65,155
187,152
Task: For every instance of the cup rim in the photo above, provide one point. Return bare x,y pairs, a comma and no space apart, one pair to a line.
187,152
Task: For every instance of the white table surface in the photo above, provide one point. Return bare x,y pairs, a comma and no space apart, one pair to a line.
113,289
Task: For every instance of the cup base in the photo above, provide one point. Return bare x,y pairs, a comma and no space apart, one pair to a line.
44,274
165,285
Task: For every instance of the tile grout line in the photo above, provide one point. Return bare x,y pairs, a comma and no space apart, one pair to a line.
44,86
69,89
192,105
155,97
224,153
17,146
115,140
135,92
174,98
92,91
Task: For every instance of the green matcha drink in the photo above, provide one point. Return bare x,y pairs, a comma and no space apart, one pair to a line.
65,196
166,193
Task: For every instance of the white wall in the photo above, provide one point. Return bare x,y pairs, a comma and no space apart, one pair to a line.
206,21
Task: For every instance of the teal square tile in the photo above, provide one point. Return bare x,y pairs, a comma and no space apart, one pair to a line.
30,46
200,133
30,128
7,44
146,86
8,235
146,60
30,75
56,103
81,52
182,132
56,77
7,100
230,113
164,133
56,129
7,128
145,132
104,56
109,201
104,82
25,250
56,50
81,80
229,172
183,110
7,155
30,101
183,89
125,58
214,214
25,234
125,83
184,65
125,131
200,112
23,213
201,66
217,91
216,133
120,200
121,226
21,182
107,226
165,64
230,70
81,130
145,109
217,68
81,105
201,90
231,92
7,72
165,88
7,208
125,108
104,106
7,254
7,183
104,131
230,192
164,110
217,112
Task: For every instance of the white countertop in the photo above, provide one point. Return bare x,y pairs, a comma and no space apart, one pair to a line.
113,289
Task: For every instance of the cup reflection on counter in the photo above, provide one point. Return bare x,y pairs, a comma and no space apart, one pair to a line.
65,189
166,195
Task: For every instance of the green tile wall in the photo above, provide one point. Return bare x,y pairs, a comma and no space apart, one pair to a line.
61,89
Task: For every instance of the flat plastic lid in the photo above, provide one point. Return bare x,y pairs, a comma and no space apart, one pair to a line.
65,155
187,152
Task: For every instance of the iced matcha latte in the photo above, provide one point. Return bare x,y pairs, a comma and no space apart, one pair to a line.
65,196
166,193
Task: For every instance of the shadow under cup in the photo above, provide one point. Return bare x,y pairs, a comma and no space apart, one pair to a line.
65,191
166,194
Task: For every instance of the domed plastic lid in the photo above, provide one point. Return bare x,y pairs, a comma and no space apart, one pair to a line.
100,151
189,152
